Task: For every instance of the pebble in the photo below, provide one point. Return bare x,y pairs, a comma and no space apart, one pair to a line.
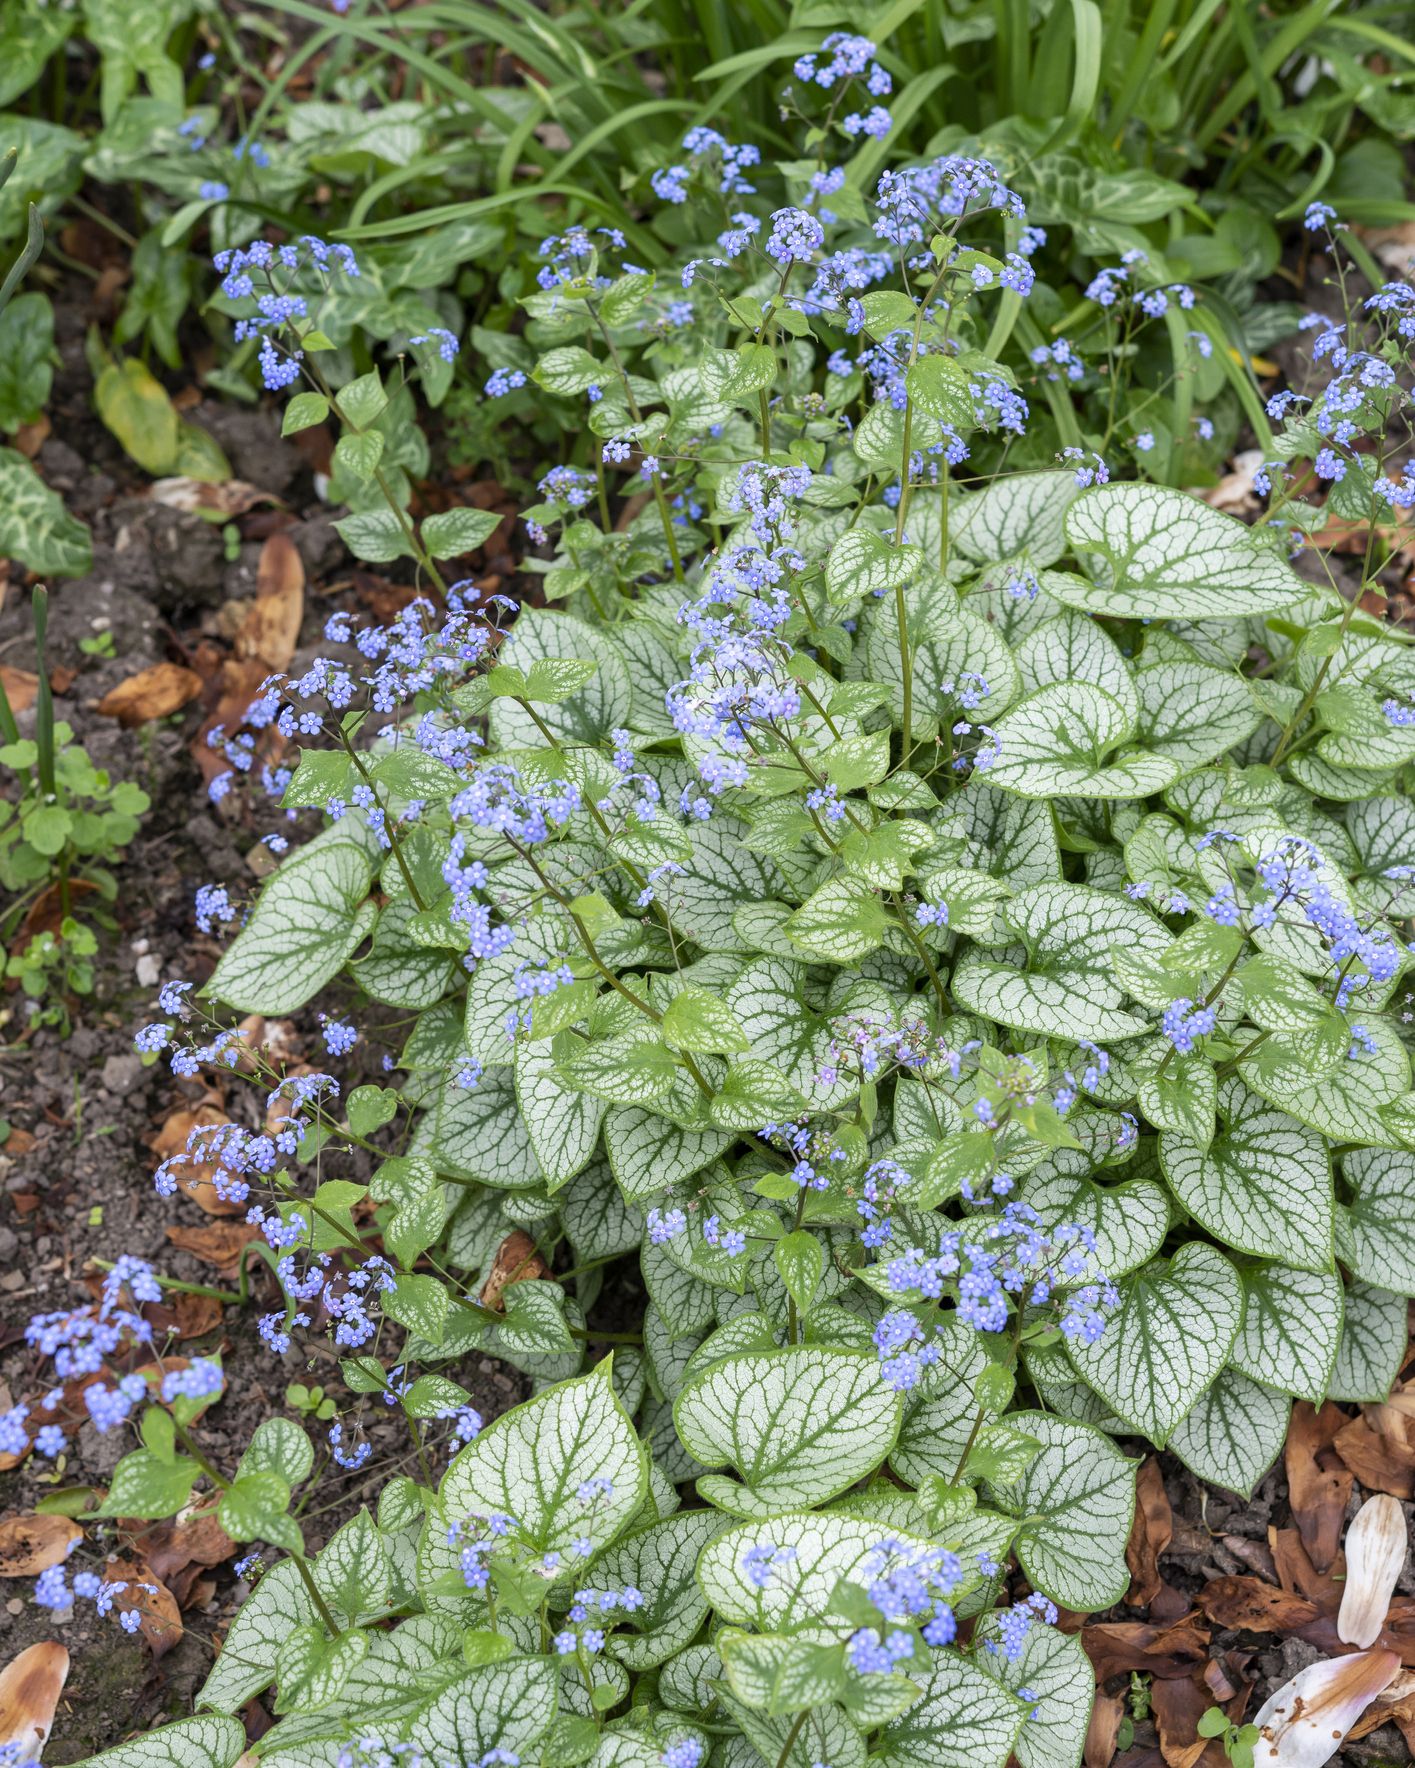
122,1073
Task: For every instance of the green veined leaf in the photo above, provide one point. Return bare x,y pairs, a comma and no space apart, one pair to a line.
1234,1432
1063,740
1194,714
1129,1221
1060,1684
799,1425
207,1741
497,1706
1021,513
529,1462
1167,1341
1168,555
1343,1103
1263,1186
1291,1330
1373,1345
1379,1221
480,1134
661,1561
1067,989
563,1126
647,1154
1076,1499
963,1719
309,917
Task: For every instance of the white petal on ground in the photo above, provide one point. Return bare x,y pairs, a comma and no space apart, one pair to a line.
30,1686
1304,1722
1376,1545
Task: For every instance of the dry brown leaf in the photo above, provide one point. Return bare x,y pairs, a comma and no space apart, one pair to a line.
240,683
194,1179
516,1261
1179,1704
233,497
161,1624
1255,1606
30,1686
1234,491
31,1544
1318,1485
1176,1650
1393,246
151,693
219,1244
179,1552
1381,1463
271,630
21,687
1150,1534
1295,1570
1103,1730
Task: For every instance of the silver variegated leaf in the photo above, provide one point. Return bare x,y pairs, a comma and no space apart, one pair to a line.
1233,1433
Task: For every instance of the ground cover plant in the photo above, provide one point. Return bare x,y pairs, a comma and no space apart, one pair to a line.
876,979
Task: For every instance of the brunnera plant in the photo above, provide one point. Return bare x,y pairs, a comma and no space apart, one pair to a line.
935,908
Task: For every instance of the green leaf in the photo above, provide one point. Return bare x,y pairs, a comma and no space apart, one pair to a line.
1076,1500
313,1669
278,1445
1379,1220
421,1304
207,1741
359,454
310,916
1067,989
1264,1186
963,1718
1234,1432
351,1572
362,400
563,1125
862,563
604,702
647,1153
940,1412
840,922
529,1463
1373,1345
1291,1330
799,1425
1063,740
1167,1341
459,531
622,1070
1193,714
1165,555
502,1706
697,1019
149,1485
1056,1673
661,1561
939,385
568,370
139,411
26,359
375,535
35,527
800,1260
304,411
1343,1103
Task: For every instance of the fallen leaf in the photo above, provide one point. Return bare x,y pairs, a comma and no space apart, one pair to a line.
1104,1728
1150,1534
1234,491
1175,1650
271,630
161,1623
30,1686
1178,1705
1303,1723
516,1260
194,1177
1295,1570
240,682
31,1544
151,693
219,1244
179,1552
1393,246
1318,1486
233,497
1255,1606
21,687
1381,1463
